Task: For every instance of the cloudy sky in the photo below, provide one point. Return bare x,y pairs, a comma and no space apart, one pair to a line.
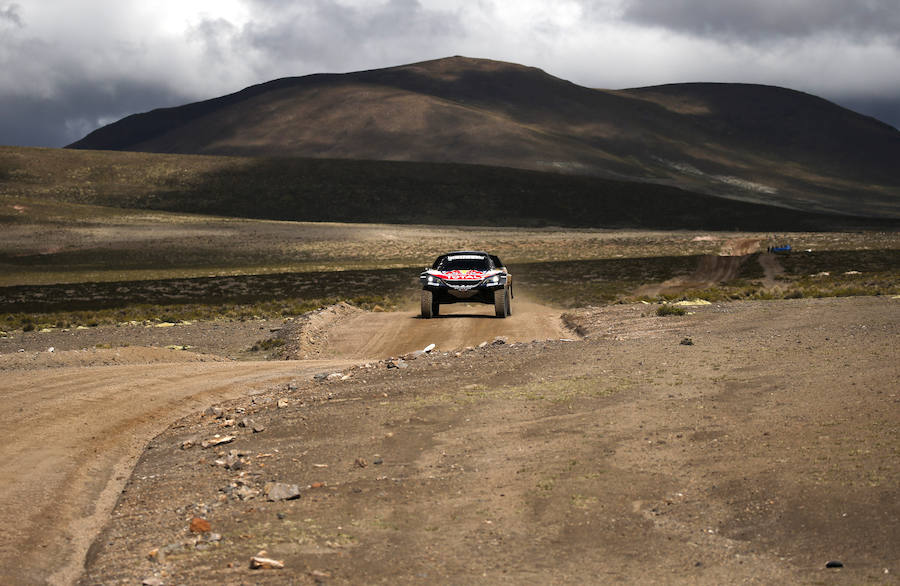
69,66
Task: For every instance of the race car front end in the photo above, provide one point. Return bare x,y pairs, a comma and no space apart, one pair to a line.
461,285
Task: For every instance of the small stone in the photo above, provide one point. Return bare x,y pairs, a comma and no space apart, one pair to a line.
378,461
498,341
292,386
402,364
834,564
483,345
258,562
258,427
281,491
154,581
187,444
245,423
217,441
334,376
320,377
233,463
687,342
245,493
200,525
216,412
282,403
361,462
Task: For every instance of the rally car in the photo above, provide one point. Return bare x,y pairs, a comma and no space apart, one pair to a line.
466,276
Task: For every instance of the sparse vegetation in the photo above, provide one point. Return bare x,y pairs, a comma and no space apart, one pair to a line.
267,344
667,310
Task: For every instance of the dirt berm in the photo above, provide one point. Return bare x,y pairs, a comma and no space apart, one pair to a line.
742,443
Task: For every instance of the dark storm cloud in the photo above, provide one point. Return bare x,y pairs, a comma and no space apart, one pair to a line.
337,36
766,20
80,108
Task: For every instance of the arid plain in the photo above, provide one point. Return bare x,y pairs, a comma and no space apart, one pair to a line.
751,439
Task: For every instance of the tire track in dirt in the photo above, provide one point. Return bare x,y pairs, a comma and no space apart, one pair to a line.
373,336
79,434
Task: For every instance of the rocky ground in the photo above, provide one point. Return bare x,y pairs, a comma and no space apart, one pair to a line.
751,442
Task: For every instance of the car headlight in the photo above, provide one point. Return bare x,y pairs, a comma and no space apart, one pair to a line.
494,280
432,280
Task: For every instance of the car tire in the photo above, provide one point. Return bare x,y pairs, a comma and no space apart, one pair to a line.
501,302
509,302
435,307
427,304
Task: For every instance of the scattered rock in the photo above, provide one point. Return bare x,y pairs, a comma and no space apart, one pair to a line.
281,491
378,461
687,342
499,341
187,444
153,581
334,375
361,462
320,377
258,427
200,525
282,403
834,564
428,348
483,345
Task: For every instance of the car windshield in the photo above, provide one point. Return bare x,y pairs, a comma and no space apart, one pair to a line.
464,262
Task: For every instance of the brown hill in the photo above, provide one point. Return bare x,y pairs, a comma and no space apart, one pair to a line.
747,142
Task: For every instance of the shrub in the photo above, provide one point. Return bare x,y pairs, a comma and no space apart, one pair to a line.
666,310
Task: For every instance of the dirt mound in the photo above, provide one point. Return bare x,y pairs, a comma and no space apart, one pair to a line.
307,336
100,357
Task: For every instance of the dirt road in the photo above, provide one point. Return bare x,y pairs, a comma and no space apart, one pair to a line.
378,335
75,436
756,452
83,428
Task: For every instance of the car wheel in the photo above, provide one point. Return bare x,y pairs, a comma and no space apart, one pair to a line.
501,302
427,304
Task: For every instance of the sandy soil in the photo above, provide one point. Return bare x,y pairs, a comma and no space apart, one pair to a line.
757,453
77,433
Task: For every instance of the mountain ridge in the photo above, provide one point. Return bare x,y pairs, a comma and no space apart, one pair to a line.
739,141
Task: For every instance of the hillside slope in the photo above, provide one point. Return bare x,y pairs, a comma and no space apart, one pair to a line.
755,143
377,191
